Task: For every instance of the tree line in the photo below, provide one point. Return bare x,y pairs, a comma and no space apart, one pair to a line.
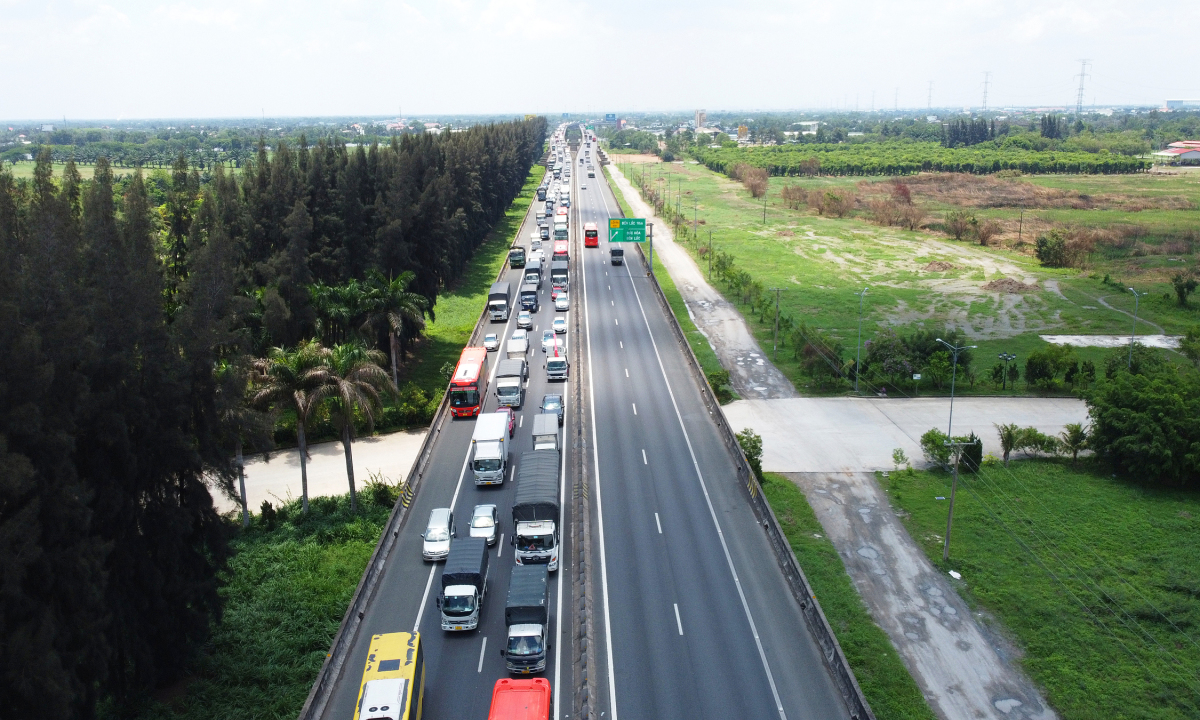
143,341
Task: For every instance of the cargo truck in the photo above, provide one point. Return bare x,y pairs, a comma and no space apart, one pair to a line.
516,256
529,297
514,699
535,510
545,432
464,583
511,374
541,193
499,301
561,231
617,254
558,273
533,272
527,617
489,448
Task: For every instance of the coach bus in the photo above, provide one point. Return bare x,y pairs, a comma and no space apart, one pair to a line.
560,251
591,236
469,383
393,681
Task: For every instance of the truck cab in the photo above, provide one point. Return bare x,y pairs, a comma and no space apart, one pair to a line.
558,368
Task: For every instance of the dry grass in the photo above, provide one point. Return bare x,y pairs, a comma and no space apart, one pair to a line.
988,191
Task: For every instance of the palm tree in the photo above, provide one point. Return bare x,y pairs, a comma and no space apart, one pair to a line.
292,379
1073,439
1010,437
239,420
355,383
390,303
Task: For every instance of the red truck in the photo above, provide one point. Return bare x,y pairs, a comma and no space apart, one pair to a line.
520,700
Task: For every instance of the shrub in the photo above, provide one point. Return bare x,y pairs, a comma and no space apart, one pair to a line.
751,444
958,223
933,445
1043,366
972,453
380,490
985,231
1184,285
1051,249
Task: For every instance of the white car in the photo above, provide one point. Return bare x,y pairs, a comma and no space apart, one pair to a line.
560,324
491,342
524,319
561,302
584,186
485,521
550,340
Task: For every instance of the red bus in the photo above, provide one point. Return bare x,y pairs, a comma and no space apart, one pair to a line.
468,386
560,251
591,237
520,700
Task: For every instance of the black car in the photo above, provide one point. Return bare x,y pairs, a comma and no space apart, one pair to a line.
545,232
553,405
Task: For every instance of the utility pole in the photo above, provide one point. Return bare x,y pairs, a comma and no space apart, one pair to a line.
1083,64
651,229
775,344
987,79
956,448
858,346
1133,335
710,254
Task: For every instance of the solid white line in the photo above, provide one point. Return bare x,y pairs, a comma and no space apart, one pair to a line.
678,624
644,461
622,343
499,546
657,522
711,511
634,408
608,644
483,648
617,321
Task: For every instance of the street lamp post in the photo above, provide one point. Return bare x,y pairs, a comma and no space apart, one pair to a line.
956,447
1133,334
858,345
1006,357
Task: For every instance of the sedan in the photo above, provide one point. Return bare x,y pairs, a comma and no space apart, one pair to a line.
524,319
584,186
560,325
553,405
562,302
491,342
485,521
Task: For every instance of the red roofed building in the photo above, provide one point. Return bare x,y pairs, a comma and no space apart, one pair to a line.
1182,152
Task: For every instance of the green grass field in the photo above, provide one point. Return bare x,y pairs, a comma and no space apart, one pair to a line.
886,683
1097,579
286,590
822,262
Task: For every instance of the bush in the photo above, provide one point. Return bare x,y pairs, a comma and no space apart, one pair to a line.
933,445
1051,249
1043,366
751,443
972,454
958,223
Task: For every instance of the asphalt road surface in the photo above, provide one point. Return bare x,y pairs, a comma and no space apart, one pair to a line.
697,619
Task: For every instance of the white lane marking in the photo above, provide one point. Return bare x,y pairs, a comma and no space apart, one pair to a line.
608,644
626,372
610,302
658,523
617,321
634,408
678,624
644,460
521,421
483,648
711,511
429,583
500,546
622,344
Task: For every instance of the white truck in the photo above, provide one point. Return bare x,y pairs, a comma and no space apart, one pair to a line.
499,301
464,584
545,432
527,617
535,510
511,374
518,345
489,449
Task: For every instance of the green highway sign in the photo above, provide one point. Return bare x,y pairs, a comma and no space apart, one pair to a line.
627,230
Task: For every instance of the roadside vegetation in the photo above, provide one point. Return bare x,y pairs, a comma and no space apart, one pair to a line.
824,239
889,688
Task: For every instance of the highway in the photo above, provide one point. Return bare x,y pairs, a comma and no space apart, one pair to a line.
462,667
693,618
698,621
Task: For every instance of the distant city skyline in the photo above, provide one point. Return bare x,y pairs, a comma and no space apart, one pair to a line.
223,59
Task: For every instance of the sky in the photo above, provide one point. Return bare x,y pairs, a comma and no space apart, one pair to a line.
120,59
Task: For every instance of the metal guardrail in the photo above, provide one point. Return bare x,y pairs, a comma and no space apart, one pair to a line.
331,669
835,659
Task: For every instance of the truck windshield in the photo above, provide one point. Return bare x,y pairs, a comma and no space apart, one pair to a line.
535,543
487,465
556,365
525,645
458,605
464,398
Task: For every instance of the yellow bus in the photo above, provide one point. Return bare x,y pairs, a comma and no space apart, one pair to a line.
393,681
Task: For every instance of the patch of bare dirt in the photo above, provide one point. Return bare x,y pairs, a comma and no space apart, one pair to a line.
1009,285
939,266
989,191
785,233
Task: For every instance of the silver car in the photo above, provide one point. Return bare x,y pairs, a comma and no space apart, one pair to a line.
438,532
485,523
524,319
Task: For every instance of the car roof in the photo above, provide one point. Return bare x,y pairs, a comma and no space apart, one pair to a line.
484,507
439,515
551,395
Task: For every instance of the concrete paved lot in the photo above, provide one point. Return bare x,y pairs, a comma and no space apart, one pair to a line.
859,434
278,479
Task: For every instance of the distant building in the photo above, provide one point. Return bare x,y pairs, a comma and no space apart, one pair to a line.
1183,152
1183,105
47,128
701,118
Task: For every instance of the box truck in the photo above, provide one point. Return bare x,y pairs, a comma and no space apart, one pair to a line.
489,449
527,617
535,510
510,382
464,583
500,301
